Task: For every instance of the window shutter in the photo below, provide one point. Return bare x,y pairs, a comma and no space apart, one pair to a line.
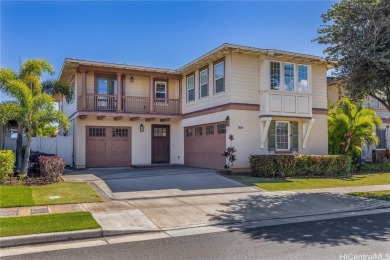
294,136
271,136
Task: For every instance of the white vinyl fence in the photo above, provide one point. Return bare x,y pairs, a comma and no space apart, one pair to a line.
61,146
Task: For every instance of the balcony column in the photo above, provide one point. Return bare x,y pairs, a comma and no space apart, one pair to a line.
151,94
119,93
180,96
84,90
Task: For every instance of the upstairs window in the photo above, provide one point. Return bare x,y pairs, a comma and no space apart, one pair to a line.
275,75
106,86
190,88
302,79
219,77
288,77
381,134
203,82
160,89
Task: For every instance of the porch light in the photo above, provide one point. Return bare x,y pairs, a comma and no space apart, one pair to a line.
131,79
227,119
141,128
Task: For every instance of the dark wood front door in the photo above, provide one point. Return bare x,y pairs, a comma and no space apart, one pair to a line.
160,144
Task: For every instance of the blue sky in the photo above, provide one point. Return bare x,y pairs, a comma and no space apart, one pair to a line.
157,34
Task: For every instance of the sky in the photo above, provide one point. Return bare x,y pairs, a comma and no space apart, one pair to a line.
157,34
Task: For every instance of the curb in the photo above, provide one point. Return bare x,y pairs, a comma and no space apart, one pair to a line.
49,237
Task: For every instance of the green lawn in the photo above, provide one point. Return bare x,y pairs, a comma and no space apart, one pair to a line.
379,195
68,192
314,183
16,226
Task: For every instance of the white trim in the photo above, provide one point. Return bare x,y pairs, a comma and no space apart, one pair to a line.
306,131
155,88
223,77
280,75
264,126
288,136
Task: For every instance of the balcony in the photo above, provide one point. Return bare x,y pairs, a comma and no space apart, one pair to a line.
130,104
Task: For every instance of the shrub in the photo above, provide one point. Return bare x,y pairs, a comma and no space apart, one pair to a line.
372,167
34,161
7,161
52,167
280,166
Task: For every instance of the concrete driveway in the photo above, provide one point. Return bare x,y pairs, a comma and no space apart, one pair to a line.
131,183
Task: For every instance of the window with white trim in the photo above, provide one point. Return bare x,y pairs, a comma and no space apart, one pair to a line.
275,75
203,83
288,77
282,135
219,77
160,89
191,88
303,85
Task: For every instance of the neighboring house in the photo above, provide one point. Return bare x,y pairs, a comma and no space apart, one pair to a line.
273,102
383,132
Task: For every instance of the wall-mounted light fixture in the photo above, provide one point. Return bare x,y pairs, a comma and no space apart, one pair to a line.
131,79
227,119
141,128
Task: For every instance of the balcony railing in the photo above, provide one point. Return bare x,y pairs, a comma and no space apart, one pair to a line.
166,106
130,104
136,104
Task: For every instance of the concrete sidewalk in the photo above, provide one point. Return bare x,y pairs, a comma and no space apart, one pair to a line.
223,210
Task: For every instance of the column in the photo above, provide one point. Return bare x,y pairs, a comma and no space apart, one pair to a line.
119,93
84,90
151,95
180,96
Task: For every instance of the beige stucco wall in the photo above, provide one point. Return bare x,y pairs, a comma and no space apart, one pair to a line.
140,142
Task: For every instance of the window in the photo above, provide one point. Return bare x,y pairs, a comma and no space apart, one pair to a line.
381,134
106,86
374,103
219,75
97,132
203,82
288,77
189,132
120,132
275,75
160,89
209,130
282,136
160,131
302,78
221,128
191,88
198,131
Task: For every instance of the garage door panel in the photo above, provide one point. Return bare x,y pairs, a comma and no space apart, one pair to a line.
204,150
108,147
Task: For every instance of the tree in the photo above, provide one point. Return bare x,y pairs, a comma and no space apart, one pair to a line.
351,126
357,35
30,106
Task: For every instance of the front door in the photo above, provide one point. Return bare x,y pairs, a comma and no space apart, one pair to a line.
160,144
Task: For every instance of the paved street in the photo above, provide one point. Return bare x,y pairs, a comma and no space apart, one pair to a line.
325,239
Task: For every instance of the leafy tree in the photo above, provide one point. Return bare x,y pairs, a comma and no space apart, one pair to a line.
30,106
45,131
351,126
357,36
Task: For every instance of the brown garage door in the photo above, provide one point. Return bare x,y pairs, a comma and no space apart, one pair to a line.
204,145
108,146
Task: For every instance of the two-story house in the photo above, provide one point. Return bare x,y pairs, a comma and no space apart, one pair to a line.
335,93
272,102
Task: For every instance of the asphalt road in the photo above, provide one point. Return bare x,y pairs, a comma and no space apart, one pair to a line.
341,238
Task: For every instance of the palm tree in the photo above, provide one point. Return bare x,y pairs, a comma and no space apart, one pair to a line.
351,126
30,106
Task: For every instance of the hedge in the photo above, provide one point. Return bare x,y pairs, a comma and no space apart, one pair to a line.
52,167
7,161
280,166
371,167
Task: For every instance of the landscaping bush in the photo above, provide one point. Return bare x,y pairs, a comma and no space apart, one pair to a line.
372,167
34,162
7,161
52,167
281,166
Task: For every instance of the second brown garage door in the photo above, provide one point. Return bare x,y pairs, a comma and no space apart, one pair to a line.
108,146
204,145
